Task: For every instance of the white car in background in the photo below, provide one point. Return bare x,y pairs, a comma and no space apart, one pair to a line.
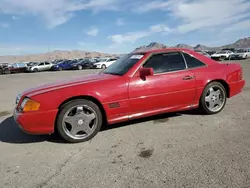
241,54
204,53
104,63
44,66
223,54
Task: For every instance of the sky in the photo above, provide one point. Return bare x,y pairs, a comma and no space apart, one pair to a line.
118,26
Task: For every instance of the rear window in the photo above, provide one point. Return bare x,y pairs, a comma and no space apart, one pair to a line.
192,62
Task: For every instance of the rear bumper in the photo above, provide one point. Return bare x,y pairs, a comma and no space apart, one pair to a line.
36,122
236,87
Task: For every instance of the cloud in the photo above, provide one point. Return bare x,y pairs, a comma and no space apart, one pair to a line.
132,37
154,5
129,37
15,18
4,25
56,12
243,25
160,28
191,15
120,22
92,32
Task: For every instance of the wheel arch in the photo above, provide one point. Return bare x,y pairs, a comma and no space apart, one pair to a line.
224,83
90,98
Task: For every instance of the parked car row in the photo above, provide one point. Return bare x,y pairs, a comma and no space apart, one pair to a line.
57,65
228,54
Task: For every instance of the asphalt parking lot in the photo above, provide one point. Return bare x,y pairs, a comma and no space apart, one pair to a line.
172,150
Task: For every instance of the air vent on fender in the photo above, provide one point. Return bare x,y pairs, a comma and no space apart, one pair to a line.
114,105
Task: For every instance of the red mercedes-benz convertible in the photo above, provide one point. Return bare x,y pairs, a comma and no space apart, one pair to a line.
135,86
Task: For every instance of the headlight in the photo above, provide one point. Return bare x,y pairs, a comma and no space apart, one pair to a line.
18,97
29,105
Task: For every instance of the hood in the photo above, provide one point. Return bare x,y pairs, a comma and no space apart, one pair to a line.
63,84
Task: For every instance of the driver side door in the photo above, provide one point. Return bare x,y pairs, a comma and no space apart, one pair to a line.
41,66
170,87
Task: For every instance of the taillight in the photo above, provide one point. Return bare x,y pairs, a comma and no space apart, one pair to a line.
240,74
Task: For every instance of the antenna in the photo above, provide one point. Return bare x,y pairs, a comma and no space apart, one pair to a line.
49,54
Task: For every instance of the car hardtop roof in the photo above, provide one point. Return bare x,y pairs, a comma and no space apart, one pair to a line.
164,50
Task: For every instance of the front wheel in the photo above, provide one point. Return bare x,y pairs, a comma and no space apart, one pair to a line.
213,98
7,71
79,67
79,120
104,66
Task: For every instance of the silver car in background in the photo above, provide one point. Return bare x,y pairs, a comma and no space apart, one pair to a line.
37,67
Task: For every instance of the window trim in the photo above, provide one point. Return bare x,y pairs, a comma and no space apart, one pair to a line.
204,64
156,53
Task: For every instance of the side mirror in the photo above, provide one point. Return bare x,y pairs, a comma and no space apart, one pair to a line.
143,72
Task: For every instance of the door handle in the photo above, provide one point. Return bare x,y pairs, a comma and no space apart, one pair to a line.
188,78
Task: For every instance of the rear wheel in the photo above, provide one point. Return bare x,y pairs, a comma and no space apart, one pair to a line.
79,120
213,98
35,70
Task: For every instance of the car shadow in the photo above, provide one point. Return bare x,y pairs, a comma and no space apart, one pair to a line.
11,133
156,119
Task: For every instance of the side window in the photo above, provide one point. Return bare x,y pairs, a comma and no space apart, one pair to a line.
167,62
47,63
41,64
192,62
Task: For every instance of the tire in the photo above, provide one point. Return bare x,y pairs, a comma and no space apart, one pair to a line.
79,67
60,69
36,70
213,98
7,71
104,66
64,129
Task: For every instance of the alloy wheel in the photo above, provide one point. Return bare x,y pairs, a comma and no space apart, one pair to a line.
215,98
79,122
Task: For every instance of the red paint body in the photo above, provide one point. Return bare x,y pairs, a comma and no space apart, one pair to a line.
166,92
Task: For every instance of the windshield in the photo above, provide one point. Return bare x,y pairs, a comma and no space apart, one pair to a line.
104,59
221,52
241,51
123,65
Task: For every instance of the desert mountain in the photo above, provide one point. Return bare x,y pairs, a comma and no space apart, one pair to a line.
183,46
53,55
241,43
151,46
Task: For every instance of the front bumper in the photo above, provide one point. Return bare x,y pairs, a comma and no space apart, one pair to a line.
40,122
54,68
99,66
